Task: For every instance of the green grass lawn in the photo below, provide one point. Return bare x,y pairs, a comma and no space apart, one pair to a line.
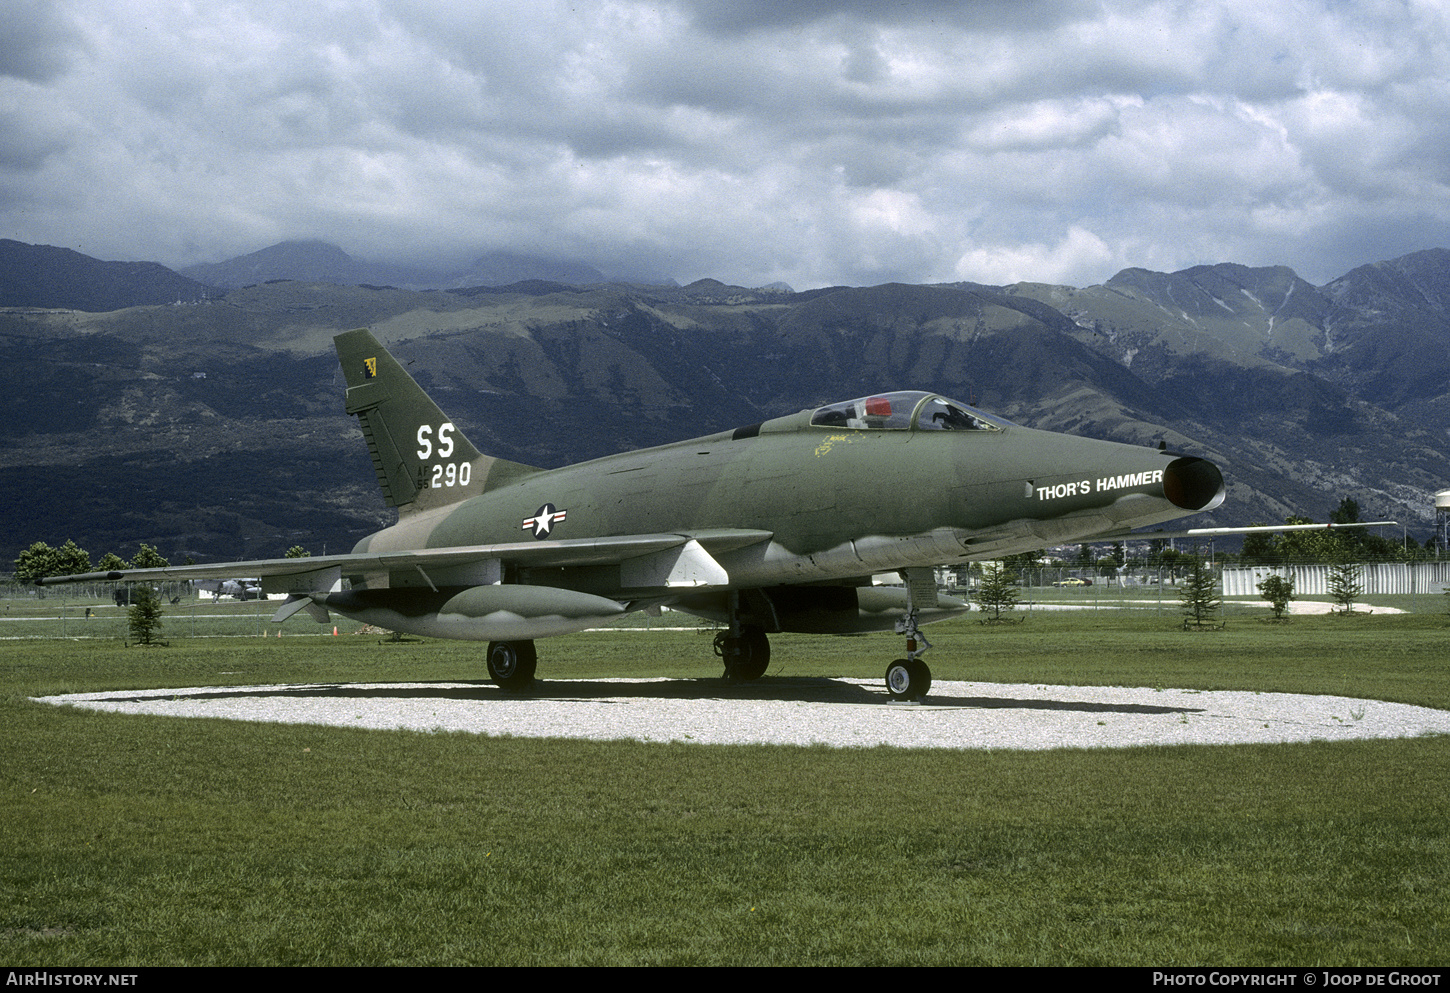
139,840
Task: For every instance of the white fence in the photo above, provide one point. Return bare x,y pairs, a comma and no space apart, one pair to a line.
1312,580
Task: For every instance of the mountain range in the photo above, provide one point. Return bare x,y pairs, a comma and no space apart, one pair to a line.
210,424
318,261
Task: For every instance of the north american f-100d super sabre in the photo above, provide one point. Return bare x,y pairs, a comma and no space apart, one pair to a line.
774,527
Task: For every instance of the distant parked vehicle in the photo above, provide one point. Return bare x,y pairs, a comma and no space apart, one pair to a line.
122,595
1074,581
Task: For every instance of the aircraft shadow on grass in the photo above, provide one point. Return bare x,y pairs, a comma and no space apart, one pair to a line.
781,689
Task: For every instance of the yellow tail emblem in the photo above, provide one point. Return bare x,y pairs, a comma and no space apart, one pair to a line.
372,367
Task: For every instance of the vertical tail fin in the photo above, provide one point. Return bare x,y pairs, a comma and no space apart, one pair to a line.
421,458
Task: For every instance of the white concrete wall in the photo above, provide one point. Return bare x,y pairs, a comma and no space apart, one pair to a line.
1313,580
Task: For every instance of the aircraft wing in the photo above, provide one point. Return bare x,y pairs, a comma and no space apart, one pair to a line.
1256,529
671,559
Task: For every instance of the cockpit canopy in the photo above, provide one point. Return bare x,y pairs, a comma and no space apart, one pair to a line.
906,410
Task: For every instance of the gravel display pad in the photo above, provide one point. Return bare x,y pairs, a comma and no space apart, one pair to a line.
844,713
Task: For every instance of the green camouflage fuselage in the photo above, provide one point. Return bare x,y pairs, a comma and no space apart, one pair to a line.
838,503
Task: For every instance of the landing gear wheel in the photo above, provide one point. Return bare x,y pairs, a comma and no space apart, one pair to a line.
746,657
908,679
511,664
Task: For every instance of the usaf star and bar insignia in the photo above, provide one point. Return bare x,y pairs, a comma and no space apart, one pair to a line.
543,521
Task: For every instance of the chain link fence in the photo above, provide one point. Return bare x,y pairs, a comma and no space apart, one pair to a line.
100,610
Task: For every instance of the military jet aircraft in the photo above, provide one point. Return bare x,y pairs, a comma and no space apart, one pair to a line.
238,589
773,527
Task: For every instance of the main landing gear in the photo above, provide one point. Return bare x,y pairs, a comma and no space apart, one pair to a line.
746,654
909,678
511,664
743,648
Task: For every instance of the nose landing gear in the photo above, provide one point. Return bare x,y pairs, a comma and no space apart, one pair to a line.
909,678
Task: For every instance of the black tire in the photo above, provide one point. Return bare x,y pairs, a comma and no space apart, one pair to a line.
746,657
755,654
921,678
908,679
511,664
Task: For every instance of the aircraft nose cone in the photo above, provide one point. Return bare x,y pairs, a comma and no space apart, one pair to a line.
1193,484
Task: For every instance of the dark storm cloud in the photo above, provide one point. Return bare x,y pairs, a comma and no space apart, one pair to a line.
37,43
753,16
808,142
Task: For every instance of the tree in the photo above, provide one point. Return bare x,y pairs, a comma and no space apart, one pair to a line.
144,613
72,559
1278,590
148,558
1155,551
997,591
1376,548
1023,561
1347,512
1172,560
297,552
36,561
1329,545
1199,595
41,560
1307,546
111,563
1260,549
1350,542
1344,584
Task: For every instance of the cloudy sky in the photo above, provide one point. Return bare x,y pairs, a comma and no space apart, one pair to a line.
745,140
